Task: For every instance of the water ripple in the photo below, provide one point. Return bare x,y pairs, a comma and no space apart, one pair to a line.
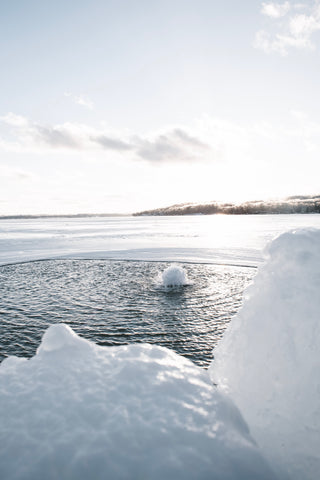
118,302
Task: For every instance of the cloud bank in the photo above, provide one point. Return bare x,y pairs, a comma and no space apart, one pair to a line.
209,140
292,26
172,145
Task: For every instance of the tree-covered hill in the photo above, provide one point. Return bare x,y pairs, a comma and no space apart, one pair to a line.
294,204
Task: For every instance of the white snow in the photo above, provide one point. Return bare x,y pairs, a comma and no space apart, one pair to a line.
79,411
174,276
268,361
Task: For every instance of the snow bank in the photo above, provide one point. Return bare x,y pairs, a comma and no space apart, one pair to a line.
174,276
269,362
79,411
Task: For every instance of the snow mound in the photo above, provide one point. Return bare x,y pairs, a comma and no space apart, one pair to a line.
79,411
61,336
174,276
268,360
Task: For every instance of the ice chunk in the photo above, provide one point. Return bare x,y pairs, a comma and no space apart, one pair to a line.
268,361
59,337
79,411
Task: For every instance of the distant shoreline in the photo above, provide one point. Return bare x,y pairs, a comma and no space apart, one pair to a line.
298,204
76,215
292,205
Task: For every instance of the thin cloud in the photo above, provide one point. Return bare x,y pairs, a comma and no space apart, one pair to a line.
174,146
289,30
275,10
14,120
34,137
188,139
159,150
110,143
55,137
80,100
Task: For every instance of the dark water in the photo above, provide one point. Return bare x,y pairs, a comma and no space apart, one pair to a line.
118,302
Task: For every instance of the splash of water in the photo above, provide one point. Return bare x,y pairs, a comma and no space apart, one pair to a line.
174,276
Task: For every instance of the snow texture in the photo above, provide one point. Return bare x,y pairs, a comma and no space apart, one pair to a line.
268,361
79,411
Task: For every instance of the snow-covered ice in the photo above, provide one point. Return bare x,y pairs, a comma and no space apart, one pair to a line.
268,361
222,239
79,411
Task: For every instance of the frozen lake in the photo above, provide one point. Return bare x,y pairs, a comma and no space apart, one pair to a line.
231,240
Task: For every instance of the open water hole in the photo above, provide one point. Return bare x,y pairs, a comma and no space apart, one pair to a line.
119,302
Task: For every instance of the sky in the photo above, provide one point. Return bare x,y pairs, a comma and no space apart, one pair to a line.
117,106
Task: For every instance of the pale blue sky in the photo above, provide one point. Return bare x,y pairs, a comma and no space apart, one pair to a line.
125,105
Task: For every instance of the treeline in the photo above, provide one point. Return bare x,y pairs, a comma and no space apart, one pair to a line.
295,204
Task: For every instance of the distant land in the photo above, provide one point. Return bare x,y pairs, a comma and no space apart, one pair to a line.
75,215
289,205
294,204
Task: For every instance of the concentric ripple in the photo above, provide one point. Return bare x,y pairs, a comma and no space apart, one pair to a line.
118,302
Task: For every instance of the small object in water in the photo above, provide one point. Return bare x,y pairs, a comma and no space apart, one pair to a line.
174,276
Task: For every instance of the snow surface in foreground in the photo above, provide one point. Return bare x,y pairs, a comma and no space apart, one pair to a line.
79,411
268,360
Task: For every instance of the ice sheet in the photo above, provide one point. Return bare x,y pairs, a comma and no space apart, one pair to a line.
232,240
